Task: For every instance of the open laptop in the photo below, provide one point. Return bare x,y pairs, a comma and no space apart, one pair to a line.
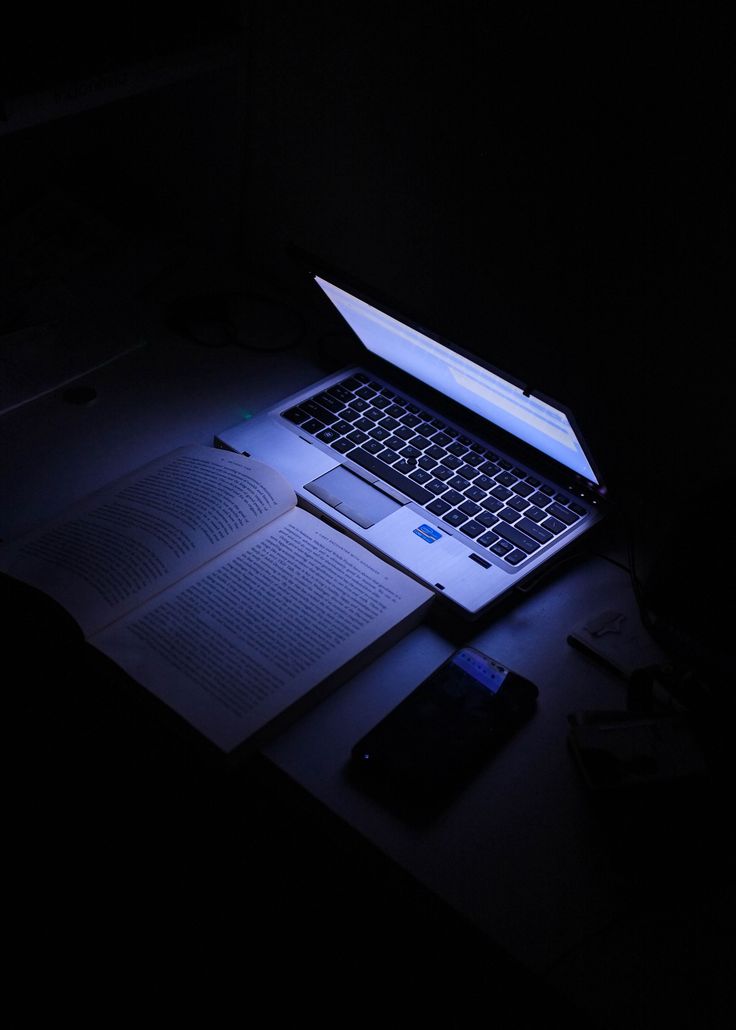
450,469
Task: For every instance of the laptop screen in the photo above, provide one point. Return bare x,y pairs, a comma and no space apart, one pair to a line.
489,395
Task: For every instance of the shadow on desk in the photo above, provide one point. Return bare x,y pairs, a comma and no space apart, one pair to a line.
144,865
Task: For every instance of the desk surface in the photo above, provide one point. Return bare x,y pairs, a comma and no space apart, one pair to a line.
521,852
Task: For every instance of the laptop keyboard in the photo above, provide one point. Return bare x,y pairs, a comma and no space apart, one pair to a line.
504,508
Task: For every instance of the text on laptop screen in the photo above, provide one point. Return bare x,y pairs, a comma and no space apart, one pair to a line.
474,387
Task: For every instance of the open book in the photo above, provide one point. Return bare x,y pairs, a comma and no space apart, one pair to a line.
203,580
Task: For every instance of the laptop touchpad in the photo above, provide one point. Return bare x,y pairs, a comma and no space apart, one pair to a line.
352,497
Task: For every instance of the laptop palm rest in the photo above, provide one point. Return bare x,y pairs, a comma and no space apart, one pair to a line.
352,497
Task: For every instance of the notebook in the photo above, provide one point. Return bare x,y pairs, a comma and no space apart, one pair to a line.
451,469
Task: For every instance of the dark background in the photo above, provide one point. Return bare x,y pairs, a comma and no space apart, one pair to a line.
552,191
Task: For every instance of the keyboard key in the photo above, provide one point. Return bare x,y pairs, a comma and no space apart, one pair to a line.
553,525
509,515
318,411
577,508
389,475
438,506
379,433
457,449
395,442
405,466
453,497
296,415
441,439
364,424
558,511
454,518
514,557
410,420
342,427
426,463
328,401
534,513
380,402
451,461
404,432
328,435
410,452
505,478
312,425
469,508
522,489
387,455
504,464
394,411
518,503
491,504
458,483
359,405
547,489
474,458
365,392
374,446
483,483
489,469
486,519
502,547
472,528
518,539
501,493
467,471
562,499
534,531
341,393
488,538
442,473
436,486
436,452
540,499
420,476
388,423
474,494
420,442
343,445
426,429
357,436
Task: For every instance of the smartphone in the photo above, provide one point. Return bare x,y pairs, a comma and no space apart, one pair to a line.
445,728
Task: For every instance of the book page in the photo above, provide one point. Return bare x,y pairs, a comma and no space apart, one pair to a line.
128,541
236,644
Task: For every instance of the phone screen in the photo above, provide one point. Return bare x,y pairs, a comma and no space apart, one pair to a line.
446,727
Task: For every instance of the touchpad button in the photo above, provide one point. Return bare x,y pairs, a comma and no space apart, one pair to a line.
352,497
